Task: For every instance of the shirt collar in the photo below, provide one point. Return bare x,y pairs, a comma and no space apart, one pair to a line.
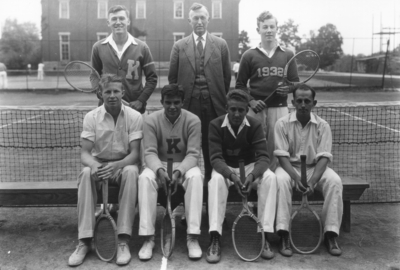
204,36
177,119
110,40
228,125
293,118
278,46
103,111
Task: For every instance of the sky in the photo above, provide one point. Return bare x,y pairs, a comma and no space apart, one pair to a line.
356,20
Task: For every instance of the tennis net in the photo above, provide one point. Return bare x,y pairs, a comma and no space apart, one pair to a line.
43,144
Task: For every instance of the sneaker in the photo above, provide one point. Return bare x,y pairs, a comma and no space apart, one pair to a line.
79,254
332,245
146,252
123,254
214,249
284,245
267,253
194,250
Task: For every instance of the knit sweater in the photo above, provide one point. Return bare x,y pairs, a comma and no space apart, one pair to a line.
249,145
265,74
179,141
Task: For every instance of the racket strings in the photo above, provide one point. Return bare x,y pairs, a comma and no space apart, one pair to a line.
247,238
79,75
105,239
305,231
166,235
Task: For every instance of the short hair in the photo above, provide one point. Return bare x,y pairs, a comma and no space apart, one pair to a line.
116,8
197,6
107,78
304,87
265,15
175,90
238,95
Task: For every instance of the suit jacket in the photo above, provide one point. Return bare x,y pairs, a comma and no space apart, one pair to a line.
217,69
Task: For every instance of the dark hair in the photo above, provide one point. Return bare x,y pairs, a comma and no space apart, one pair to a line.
107,78
238,95
175,90
265,15
305,87
116,8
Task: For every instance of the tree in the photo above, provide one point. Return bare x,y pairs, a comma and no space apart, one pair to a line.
20,44
327,43
243,42
287,33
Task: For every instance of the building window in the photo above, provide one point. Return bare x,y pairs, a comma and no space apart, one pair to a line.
102,35
217,34
178,10
64,46
64,9
102,9
140,9
217,10
178,36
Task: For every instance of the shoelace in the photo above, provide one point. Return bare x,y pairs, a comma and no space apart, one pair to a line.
122,245
286,242
214,244
79,246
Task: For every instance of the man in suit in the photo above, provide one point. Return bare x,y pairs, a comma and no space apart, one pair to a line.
201,64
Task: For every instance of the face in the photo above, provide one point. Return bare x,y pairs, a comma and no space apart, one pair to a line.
236,110
112,94
199,19
304,102
118,22
172,106
267,29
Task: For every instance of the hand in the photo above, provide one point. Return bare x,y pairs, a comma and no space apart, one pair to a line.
257,105
310,189
247,186
94,172
107,171
283,90
164,178
136,105
299,185
176,176
238,184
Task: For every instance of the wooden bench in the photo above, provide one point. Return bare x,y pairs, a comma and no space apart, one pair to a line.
65,193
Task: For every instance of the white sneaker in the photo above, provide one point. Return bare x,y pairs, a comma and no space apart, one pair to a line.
194,250
123,254
79,254
146,252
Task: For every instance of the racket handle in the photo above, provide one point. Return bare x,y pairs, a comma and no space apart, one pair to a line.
303,170
170,163
242,171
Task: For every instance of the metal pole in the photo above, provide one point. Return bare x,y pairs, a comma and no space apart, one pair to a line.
384,65
351,65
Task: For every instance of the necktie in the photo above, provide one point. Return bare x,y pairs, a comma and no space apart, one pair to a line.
200,45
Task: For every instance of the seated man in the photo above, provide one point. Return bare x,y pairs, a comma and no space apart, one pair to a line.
232,137
304,133
171,133
110,138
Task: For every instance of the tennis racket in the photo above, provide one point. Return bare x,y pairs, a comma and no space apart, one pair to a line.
247,232
305,224
168,221
306,63
83,77
105,231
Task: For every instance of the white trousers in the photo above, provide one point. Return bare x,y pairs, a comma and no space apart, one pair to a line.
331,187
3,80
218,189
126,179
192,182
40,75
268,118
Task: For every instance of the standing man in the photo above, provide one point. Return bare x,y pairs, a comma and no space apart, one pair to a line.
3,76
304,133
235,136
201,64
110,152
40,71
171,133
128,57
235,68
263,66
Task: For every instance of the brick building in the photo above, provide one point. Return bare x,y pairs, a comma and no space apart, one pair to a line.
71,27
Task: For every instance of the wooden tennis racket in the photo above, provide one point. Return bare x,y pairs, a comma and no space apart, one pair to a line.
83,77
305,224
247,232
168,221
306,63
105,231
